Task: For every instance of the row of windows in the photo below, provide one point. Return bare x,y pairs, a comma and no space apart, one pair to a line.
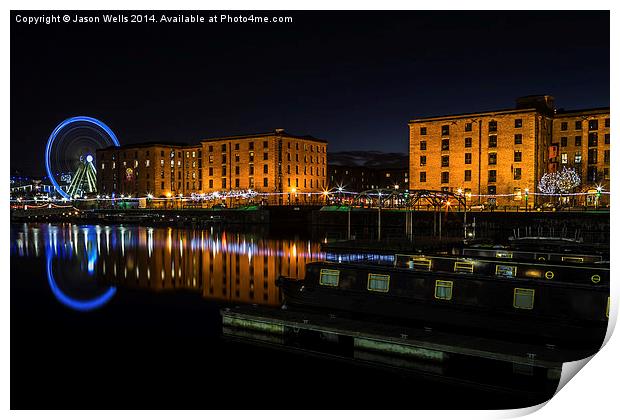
522,298
492,176
492,142
237,158
445,159
518,123
237,146
592,125
592,140
223,171
445,129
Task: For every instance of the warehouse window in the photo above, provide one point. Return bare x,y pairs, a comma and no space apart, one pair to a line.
422,131
378,282
468,175
492,158
329,277
445,144
445,130
445,161
523,298
593,125
422,176
422,145
467,158
422,160
467,141
517,156
518,123
518,138
577,140
468,126
492,175
492,126
445,177
517,173
592,156
578,125
563,141
443,289
492,141
564,126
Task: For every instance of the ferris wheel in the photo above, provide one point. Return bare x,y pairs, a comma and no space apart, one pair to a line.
70,155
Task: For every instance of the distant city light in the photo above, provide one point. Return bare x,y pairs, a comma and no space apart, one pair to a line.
89,158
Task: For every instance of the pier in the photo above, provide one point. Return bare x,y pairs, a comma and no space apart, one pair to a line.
477,361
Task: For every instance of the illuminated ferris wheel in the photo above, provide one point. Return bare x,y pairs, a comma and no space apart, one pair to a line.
70,155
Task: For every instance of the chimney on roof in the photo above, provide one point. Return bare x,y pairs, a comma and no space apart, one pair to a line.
279,130
544,104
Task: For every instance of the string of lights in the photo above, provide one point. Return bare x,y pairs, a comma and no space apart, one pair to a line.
221,195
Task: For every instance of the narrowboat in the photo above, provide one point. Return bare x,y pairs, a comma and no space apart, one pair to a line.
545,298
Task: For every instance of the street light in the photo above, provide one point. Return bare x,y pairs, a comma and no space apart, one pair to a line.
527,194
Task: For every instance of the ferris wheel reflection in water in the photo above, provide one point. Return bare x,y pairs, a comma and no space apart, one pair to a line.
86,264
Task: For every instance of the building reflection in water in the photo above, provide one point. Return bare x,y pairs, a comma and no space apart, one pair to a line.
231,267
223,266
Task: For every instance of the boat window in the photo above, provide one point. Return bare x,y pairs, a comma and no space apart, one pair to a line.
533,273
503,254
378,282
595,278
420,263
572,259
443,289
506,270
413,262
523,298
549,275
463,267
329,277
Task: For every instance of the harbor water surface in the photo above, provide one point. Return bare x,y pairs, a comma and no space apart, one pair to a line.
129,317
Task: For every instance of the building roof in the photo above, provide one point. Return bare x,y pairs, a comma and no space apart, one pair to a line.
277,132
586,111
474,114
558,113
148,144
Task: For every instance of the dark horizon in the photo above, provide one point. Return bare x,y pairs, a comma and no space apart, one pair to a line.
352,78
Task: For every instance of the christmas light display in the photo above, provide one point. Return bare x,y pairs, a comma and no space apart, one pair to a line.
559,183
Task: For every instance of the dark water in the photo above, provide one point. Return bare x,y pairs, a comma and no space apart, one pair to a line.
128,317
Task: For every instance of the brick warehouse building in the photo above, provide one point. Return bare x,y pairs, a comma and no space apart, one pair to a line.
498,157
280,163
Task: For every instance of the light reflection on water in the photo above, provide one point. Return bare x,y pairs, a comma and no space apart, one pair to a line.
86,262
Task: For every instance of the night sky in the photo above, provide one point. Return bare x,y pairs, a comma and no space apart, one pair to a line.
352,78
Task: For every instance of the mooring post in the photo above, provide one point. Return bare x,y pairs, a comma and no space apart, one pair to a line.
349,223
379,223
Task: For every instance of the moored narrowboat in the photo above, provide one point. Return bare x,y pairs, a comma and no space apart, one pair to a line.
561,302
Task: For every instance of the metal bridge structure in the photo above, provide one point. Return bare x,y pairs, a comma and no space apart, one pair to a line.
409,199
